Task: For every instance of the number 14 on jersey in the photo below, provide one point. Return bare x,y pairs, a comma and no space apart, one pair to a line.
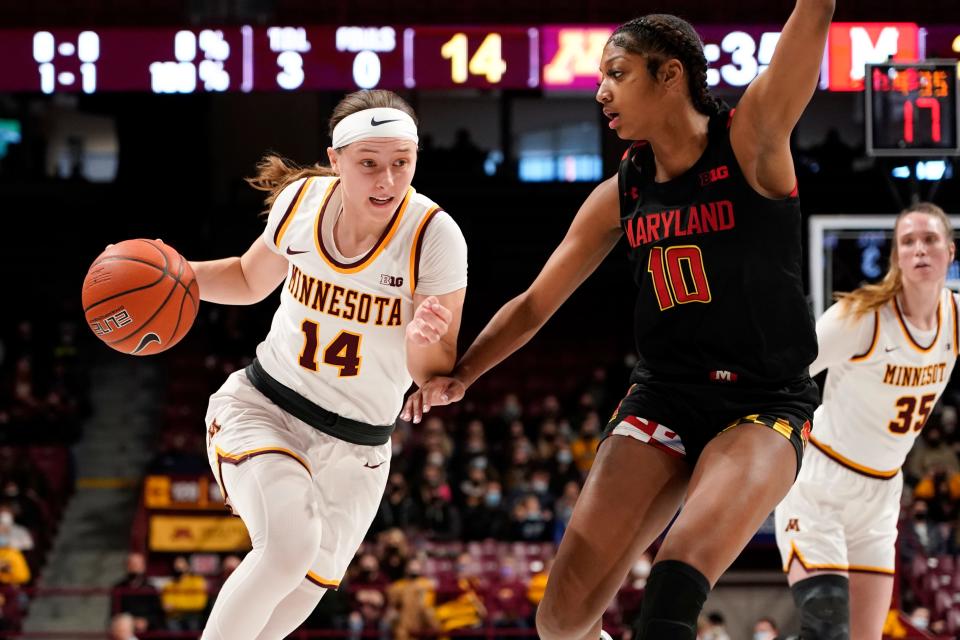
343,351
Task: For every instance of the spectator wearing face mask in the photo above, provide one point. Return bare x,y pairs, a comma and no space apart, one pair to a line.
440,517
19,537
122,627
399,508
563,470
394,553
511,409
466,610
410,602
537,584
765,629
920,536
630,597
227,567
920,618
26,505
716,628
930,454
184,598
563,509
476,517
531,522
367,587
135,595
584,446
494,513
509,606
539,486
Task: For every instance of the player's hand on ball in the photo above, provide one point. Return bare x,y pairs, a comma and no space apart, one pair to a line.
430,322
435,392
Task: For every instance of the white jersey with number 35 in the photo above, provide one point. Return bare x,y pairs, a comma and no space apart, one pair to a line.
338,338
884,378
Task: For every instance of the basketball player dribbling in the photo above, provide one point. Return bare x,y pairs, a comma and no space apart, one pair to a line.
721,396
889,350
374,281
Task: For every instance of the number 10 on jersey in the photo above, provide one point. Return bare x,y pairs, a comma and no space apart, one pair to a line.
678,275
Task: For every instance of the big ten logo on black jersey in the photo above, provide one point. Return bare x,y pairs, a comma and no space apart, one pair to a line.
343,302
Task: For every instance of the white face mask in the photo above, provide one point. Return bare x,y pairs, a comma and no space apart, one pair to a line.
641,569
920,622
6,519
763,635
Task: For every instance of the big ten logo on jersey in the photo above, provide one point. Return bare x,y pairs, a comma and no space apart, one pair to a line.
714,175
391,281
113,320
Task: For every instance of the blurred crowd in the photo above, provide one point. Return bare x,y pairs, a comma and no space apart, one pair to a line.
44,396
929,540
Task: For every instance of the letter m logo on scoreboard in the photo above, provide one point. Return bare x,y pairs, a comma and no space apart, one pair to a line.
853,45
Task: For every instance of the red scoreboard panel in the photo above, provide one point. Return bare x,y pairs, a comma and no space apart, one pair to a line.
482,57
281,58
344,58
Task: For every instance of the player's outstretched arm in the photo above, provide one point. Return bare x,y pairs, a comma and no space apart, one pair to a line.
432,334
775,100
594,232
241,280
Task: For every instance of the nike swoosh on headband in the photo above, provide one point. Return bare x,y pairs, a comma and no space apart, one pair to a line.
375,123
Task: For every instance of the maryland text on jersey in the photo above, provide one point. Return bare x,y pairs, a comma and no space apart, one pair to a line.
344,302
709,217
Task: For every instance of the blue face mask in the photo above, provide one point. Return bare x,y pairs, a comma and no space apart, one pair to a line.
492,499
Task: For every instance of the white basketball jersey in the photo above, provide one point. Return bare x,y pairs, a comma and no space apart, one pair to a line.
876,402
338,338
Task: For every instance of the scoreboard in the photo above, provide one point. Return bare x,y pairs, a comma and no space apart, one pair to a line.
912,108
281,58
552,57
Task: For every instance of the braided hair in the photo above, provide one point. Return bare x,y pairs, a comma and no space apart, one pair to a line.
661,36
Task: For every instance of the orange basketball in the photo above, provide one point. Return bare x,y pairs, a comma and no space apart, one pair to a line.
140,297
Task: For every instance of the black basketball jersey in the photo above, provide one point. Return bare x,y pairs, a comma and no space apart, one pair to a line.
719,270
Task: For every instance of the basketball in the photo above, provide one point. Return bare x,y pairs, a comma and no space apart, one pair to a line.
140,297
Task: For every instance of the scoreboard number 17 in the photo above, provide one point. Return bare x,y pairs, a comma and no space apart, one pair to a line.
487,60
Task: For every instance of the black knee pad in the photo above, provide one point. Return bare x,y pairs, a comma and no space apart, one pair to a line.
824,604
672,601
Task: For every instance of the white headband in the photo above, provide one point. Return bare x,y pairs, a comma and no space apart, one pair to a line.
379,122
